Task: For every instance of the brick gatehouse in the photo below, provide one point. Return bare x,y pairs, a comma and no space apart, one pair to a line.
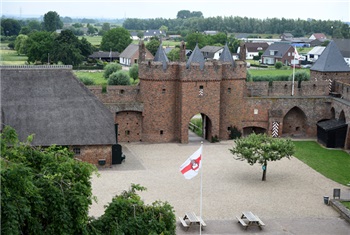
169,94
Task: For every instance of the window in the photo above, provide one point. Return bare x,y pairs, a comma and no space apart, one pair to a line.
229,90
201,90
127,132
161,132
76,151
163,91
121,92
288,53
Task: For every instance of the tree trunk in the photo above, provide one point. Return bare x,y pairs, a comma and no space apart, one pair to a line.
264,167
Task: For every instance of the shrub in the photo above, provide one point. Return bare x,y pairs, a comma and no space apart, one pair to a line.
300,76
111,68
234,133
119,78
278,65
87,81
134,71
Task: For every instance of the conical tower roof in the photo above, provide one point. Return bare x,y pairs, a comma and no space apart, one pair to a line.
331,60
161,57
226,55
196,57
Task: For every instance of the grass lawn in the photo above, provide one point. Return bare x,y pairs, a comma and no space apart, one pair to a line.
10,57
332,163
273,72
97,76
94,40
346,204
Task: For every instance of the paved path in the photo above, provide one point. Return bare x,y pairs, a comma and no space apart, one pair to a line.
289,202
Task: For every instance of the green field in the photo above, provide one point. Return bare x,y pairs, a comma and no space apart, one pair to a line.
96,75
10,57
333,164
94,40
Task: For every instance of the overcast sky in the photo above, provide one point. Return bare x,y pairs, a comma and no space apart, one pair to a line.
117,9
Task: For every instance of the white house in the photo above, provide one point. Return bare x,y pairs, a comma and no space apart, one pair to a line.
212,52
253,49
313,55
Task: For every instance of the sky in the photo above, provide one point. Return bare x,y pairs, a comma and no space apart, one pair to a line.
119,9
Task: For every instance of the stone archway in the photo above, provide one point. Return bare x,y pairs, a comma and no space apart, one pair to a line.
294,123
342,117
204,126
253,129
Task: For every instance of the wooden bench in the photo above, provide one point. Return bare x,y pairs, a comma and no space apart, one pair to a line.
244,224
183,222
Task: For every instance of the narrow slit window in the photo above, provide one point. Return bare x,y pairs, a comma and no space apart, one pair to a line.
201,90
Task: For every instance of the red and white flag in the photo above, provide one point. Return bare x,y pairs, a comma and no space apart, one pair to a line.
296,54
192,165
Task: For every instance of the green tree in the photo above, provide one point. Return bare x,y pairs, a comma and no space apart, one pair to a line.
43,190
300,76
52,21
91,30
163,28
134,71
261,149
39,46
119,78
66,49
111,68
128,214
153,45
85,47
174,54
21,44
183,14
116,39
10,27
194,38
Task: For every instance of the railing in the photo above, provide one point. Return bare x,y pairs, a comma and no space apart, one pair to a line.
36,66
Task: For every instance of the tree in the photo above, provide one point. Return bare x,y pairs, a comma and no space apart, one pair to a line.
194,38
111,68
128,214
21,44
91,30
66,48
174,54
300,76
43,190
39,46
278,65
10,27
153,45
119,78
86,47
261,149
183,14
134,71
52,21
116,39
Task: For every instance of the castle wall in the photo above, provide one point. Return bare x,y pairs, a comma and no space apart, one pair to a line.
317,76
116,94
129,126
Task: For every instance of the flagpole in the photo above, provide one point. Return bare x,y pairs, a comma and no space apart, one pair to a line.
293,72
201,193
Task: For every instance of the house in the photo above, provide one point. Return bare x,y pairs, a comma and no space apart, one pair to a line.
153,33
107,56
318,36
211,52
130,55
134,36
286,36
344,47
283,52
313,55
253,49
210,32
51,103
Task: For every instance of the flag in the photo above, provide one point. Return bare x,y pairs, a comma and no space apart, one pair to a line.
296,54
192,165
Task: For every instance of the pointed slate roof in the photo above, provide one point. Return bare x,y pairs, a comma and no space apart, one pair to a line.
331,60
161,57
50,102
226,55
196,57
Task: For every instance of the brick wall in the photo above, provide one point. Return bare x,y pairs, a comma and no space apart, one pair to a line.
93,153
129,126
116,94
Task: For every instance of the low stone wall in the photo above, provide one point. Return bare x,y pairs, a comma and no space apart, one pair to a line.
116,94
343,211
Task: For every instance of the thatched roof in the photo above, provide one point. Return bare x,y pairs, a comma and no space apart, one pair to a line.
50,102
